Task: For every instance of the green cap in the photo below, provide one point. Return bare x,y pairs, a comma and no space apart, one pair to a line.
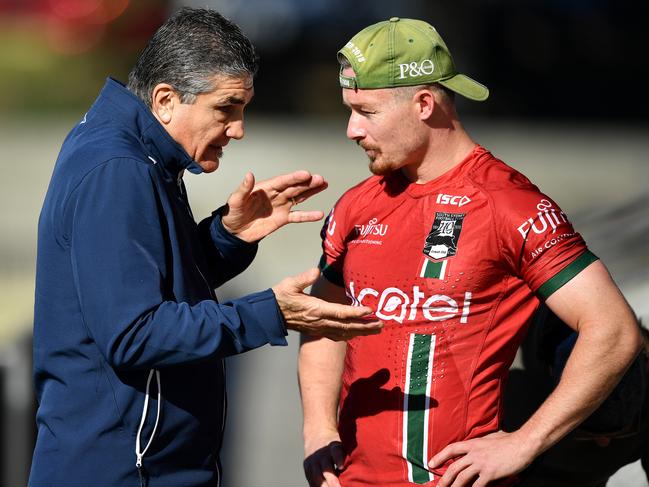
404,52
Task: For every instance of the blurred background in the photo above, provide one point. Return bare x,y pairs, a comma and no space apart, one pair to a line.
567,107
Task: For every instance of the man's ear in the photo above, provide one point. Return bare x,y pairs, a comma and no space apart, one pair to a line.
425,103
163,102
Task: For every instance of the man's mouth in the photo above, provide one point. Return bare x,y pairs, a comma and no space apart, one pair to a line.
370,152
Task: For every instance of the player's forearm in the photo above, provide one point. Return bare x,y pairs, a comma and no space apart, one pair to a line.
599,359
320,366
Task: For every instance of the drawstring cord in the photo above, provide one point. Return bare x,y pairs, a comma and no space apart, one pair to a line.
139,454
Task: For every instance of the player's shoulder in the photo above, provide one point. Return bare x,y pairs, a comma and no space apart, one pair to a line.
363,192
493,174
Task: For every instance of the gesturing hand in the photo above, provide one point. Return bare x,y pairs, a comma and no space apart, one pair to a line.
324,458
256,210
480,460
316,317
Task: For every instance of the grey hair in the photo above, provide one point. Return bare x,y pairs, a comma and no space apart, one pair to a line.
188,51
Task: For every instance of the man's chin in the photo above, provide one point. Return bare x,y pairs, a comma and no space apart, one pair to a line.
379,169
209,166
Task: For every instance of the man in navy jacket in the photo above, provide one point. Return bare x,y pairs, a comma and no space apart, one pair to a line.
128,334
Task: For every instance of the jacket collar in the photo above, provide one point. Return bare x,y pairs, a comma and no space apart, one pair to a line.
131,111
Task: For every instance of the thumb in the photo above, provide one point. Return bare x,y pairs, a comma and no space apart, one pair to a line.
307,278
243,191
337,454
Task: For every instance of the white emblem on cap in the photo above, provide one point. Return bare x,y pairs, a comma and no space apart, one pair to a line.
358,54
415,69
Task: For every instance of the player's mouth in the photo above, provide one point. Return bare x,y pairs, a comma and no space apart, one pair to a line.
371,152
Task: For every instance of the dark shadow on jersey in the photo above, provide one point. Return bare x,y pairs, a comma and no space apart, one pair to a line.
366,398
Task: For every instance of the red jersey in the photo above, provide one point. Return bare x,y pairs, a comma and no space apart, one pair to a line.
454,268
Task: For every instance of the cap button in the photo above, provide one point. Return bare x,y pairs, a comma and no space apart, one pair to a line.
394,19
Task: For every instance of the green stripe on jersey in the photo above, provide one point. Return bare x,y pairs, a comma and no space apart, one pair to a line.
567,273
436,270
417,406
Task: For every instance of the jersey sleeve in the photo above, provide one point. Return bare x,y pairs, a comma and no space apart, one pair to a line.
334,242
539,242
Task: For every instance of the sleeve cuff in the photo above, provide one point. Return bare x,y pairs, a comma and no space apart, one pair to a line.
220,234
566,274
331,274
263,320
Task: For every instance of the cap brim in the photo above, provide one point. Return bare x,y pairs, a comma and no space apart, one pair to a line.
466,87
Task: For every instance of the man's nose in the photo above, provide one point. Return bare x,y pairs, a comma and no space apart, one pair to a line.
235,129
355,131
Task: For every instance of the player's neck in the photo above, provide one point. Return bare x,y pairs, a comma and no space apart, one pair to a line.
445,150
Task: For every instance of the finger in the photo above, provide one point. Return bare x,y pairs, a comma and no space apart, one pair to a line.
306,279
302,193
282,182
453,471
242,193
301,216
337,455
313,473
466,477
327,470
342,331
451,451
480,481
331,479
342,311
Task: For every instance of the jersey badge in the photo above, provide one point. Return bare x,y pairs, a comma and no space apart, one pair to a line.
442,239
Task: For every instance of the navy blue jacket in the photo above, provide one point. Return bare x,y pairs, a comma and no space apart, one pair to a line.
125,287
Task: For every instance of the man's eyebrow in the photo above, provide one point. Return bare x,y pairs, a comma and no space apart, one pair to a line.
235,100
356,106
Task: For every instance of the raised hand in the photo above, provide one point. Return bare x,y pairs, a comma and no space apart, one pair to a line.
315,317
256,210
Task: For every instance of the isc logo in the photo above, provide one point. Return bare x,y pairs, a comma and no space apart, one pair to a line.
415,69
448,199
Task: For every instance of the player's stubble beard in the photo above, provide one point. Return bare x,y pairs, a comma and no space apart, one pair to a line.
377,166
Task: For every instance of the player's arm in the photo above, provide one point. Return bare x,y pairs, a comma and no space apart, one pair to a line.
320,366
607,343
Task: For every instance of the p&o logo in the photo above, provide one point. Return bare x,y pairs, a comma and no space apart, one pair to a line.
415,69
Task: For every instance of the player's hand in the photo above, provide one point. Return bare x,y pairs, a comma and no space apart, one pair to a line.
324,458
482,460
256,210
316,317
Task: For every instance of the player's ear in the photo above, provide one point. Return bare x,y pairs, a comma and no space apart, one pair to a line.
163,101
424,103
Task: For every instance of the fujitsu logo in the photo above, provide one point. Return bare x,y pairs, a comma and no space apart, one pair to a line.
372,228
449,199
547,217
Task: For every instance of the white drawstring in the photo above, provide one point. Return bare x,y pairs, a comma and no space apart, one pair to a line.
139,454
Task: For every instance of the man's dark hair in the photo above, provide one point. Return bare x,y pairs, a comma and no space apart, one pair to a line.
187,51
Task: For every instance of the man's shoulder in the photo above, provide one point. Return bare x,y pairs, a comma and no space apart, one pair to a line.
102,142
493,174
88,148
361,195
370,184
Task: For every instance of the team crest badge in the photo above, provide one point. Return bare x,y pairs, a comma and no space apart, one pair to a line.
441,241
440,244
